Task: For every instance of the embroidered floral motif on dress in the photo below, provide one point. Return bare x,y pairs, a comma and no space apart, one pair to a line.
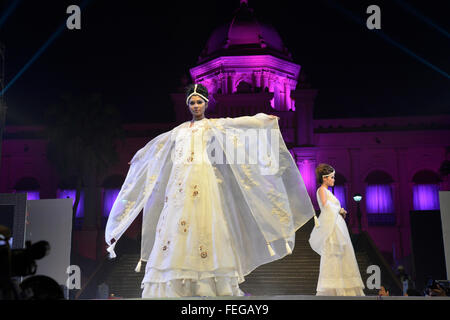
196,218
195,191
278,208
250,179
127,209
203,252
158,150
184,226
149,186
166,246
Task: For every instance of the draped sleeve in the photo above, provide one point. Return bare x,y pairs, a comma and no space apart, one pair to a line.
262,193
264,197
327,221
143,178
259,120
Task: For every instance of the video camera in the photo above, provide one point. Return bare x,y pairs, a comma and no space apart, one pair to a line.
21,263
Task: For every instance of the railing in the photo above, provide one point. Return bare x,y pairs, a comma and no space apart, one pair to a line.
91,278
388,278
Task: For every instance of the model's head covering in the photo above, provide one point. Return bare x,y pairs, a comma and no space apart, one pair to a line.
199,90
327,175
323,170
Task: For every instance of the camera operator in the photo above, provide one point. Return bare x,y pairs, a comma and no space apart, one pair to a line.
21,263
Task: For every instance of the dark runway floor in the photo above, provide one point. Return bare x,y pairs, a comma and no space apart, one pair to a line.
304,297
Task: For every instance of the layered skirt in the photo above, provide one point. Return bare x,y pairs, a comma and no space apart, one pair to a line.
193,253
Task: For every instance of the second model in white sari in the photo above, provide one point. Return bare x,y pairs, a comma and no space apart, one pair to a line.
339,273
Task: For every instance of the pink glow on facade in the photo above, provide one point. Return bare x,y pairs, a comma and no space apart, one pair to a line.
307,170
400,146
224,74
247,50
244,32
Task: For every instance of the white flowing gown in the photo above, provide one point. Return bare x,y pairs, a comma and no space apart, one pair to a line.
339,273
192,254
208,222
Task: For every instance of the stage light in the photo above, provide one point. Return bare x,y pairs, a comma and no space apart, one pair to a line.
358,197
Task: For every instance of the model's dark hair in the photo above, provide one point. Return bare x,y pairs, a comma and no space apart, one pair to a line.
323,169
200,89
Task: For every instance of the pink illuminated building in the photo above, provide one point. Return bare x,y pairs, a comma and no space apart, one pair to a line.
392,162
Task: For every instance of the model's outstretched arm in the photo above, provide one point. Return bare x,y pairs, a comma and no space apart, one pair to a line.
257,121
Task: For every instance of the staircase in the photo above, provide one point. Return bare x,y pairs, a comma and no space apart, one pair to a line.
295,274
123,281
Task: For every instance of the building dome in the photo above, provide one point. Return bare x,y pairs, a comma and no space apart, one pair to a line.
244,35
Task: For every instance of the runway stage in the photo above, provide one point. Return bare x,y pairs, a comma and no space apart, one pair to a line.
301,297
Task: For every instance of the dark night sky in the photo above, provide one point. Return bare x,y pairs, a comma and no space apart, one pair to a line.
134,54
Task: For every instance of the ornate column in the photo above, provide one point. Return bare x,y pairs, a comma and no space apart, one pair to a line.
357,186
304,101
306,163
403,199
257,79
233,84
264,80
348,199
3,109
225,85
281,95
289,86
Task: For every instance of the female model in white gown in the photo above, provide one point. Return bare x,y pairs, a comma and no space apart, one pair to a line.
339,273
206,226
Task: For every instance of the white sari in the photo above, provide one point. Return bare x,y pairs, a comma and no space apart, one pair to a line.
339,273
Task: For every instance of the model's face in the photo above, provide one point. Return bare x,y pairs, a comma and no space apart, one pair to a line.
197,106
329,181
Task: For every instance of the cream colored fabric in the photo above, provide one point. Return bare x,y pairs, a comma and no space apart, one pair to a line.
339,271
207,215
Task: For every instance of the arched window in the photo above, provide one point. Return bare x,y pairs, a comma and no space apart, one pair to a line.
30,186
67,189
379,199
243,87
426,190
111,188
71,193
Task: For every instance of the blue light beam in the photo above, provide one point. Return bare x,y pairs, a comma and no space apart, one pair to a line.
8,12
425,19
52,38
381,34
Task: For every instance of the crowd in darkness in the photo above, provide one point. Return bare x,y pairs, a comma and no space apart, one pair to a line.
433,288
